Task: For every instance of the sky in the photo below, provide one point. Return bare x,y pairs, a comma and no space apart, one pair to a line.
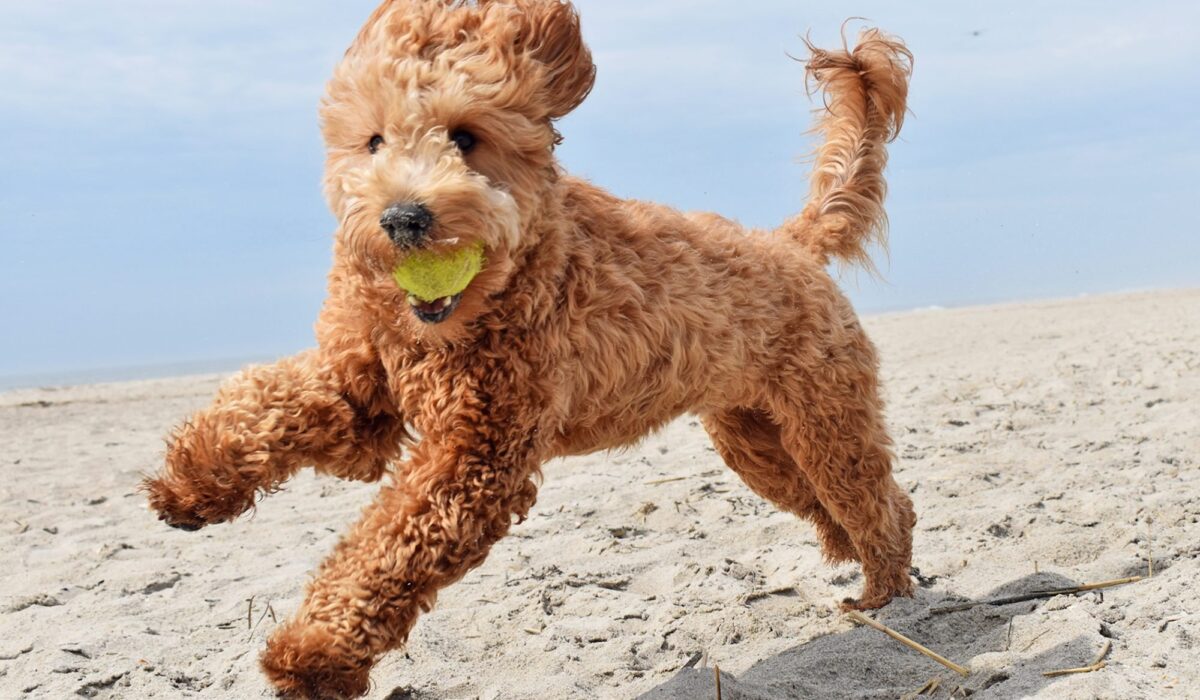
160,161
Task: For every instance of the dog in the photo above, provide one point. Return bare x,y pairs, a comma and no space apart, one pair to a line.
594,321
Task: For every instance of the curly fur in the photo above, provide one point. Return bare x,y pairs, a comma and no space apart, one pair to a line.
866,92
596,321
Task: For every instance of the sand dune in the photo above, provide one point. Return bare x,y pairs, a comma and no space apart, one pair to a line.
1044,444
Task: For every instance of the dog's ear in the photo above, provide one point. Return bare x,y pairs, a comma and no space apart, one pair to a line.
551,36
370,25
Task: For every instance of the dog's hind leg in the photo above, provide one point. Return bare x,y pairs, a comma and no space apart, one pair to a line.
750,444
832,426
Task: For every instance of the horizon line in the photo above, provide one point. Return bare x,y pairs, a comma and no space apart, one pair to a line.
112,374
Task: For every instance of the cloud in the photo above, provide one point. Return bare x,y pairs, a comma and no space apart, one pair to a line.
711,59
72,60
1027,60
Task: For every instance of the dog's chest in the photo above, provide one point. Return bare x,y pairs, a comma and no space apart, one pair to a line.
453,388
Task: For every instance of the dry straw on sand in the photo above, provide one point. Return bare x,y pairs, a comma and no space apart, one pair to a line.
1096,665
863,619
1035,595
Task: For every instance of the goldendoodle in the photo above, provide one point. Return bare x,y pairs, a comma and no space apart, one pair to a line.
594,321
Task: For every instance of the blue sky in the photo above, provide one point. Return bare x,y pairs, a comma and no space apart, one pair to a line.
160,199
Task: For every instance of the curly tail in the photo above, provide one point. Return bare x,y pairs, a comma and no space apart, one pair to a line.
865,94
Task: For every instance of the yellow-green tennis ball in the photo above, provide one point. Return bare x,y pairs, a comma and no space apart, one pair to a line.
431,275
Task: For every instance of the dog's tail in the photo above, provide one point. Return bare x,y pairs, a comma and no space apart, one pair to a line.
865,91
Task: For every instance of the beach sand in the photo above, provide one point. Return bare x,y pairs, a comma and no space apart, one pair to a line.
1044,444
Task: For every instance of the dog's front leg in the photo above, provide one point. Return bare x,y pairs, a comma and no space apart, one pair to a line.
458,494
266,423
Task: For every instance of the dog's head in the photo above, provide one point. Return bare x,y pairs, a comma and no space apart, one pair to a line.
439,130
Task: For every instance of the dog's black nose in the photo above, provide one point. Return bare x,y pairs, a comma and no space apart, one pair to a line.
407,224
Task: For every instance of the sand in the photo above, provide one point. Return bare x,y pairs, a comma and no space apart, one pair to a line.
1044,444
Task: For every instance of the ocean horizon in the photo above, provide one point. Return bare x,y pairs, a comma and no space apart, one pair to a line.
161,370
127,373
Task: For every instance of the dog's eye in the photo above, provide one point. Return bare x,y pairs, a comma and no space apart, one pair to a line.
374,144
465,140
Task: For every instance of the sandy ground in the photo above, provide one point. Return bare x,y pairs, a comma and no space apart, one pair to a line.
1044,444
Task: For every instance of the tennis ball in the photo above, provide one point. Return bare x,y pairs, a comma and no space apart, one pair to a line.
431,275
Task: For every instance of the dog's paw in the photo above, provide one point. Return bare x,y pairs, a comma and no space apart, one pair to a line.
304,664
860,604
875,597
177,508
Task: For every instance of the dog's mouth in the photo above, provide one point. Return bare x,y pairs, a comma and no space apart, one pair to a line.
434,311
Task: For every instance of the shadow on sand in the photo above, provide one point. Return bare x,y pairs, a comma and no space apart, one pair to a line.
864,663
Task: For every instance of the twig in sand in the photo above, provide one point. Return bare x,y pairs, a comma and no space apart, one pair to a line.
1096,665
1049,593
1038,636
1150,547
929,688
717,674
645,509
250,613
657,482
759,595
268,611
863,619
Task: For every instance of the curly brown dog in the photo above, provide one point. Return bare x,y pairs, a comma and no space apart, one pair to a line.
595,321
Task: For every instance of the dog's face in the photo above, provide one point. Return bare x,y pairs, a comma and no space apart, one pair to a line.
439,130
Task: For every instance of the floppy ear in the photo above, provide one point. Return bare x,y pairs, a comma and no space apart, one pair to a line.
550,35
365,31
